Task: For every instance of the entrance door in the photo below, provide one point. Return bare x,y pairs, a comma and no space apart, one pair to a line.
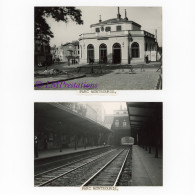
90,53
116,53
103,53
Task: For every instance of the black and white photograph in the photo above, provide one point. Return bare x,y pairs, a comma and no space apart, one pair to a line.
98,48
95,145
97,97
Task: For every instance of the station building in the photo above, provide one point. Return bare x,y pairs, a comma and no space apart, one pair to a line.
117,41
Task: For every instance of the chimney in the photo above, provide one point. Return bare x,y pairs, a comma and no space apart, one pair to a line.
100,20
118,15
126,15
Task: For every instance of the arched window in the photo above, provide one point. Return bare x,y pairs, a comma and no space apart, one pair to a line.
117,46
135,50
103,53
90,53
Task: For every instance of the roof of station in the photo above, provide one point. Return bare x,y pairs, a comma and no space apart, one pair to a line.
115,21
54,116
144,113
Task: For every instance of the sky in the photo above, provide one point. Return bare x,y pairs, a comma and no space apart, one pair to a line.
109,107
150,18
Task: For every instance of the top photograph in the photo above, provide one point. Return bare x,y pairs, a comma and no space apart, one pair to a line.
98,48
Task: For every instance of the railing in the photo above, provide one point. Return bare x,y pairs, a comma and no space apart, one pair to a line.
115,33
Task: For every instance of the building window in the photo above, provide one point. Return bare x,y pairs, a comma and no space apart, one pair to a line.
102,28
107,29
90,53
152,47
124,123
118,28
116,123
78,52
103,53
135,50
97,30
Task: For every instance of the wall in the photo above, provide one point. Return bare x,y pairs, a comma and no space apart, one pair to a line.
123,41
151,49
125,52
141,42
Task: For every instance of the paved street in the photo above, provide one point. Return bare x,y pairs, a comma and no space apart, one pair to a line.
115,80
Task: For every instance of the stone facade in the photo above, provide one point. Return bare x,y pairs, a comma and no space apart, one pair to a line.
117,41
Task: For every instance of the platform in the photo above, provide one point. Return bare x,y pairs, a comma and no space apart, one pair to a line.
147,170
55,152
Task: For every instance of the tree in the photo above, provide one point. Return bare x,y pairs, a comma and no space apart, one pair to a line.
64,14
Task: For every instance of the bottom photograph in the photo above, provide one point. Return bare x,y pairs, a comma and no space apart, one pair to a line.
98,144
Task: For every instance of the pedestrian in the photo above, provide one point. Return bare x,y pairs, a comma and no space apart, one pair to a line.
147,59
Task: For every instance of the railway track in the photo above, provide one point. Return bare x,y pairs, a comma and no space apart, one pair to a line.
110,173
50,164
49,176
104,169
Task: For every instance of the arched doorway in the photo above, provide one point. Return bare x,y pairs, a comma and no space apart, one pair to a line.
116,53
103,53
135,50
90,53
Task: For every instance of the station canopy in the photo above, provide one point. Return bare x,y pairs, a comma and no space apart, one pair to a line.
142,113
57,117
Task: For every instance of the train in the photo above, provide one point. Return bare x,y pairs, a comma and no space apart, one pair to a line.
127,141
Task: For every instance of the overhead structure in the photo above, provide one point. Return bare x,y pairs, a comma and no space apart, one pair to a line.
56,126
146,124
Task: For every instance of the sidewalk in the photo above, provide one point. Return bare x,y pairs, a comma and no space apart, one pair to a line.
55,152
147,170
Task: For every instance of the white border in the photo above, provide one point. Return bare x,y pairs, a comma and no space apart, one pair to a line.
18,96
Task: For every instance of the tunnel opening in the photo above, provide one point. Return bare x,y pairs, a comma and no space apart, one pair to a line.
125,141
